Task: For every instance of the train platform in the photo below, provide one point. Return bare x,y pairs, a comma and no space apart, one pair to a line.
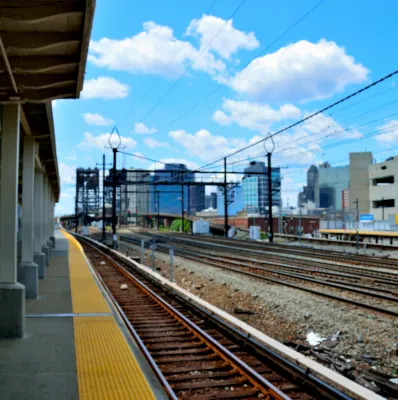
75,346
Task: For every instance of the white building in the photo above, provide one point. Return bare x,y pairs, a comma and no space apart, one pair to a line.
383,188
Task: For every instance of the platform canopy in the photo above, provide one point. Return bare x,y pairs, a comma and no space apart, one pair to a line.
44,45
43,55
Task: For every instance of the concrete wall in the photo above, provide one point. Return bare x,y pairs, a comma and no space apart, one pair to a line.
359,180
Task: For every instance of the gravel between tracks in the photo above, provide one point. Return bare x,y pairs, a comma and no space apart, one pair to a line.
288,314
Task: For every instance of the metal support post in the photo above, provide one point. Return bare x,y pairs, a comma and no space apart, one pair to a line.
182,205
157,195
142,259
153,257
357,235
270,224
114,181
171,252
103,198
300,228
76,206
225,199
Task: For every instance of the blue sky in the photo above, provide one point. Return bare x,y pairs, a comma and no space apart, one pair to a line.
139,51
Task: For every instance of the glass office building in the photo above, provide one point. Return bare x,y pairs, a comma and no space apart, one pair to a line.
255,188
235,200
166,199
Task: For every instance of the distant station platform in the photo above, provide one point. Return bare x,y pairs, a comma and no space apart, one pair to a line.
381,237
75,345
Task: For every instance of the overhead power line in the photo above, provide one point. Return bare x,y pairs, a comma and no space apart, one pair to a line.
203,50
313,114
342,100
156,80
260,53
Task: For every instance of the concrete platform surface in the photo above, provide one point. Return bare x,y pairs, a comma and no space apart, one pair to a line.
67,353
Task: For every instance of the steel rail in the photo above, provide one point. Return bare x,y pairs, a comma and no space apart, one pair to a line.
296,286
349,286
252,343
262,384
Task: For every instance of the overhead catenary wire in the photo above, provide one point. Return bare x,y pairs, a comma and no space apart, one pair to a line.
342,100
203,50
328,136
156,80
261,52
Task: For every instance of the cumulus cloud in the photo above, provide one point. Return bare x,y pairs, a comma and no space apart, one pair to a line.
228,41
142,129
104,87
102,140
152,143
253,115
155,50
299,72
203,144
96,119
67,173
388,132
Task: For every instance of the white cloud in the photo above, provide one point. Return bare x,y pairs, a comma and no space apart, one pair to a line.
390,134
228,41
142,129
152,143
155,50
298,72
253,115
67,173
203,144
102,140
104,87
96,119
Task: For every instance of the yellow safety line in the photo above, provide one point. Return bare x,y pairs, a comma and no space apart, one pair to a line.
106,366
86,296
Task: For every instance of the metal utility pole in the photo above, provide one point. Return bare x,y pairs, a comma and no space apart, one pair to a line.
114,148
114,182
103,198
158,207
182,205
76,212
357,235
300,230
269,147
225,199
270,224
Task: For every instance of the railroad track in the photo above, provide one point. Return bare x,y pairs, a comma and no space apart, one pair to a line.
194,354
335,256
382,300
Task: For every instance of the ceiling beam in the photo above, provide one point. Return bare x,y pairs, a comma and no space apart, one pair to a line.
25,123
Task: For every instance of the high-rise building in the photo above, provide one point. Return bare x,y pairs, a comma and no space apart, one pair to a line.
234,198
332,182
137,195
384,189
255,188
359,181
197,198
166,199
211,200
310,192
